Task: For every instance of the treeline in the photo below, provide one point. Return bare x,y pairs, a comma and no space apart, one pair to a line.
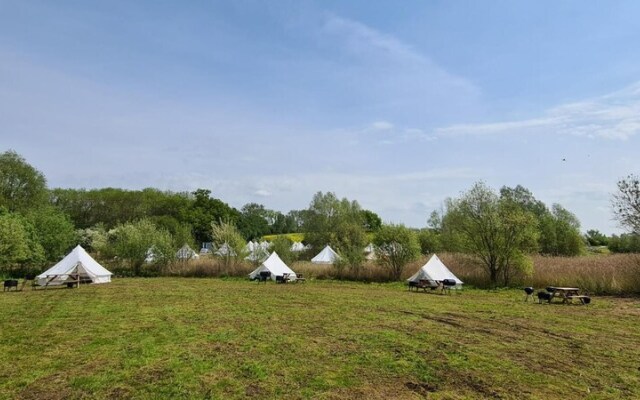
501,229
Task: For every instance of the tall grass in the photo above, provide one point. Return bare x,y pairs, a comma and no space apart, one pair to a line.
598,274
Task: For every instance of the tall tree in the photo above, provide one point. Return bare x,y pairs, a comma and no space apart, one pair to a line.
54,231
497,231
396,246
626,203
22,187
18,245
329,220
134,241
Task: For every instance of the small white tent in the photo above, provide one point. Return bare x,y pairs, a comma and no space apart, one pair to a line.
76,266
326,256
226,250
297,246
186,253
435,272
276,266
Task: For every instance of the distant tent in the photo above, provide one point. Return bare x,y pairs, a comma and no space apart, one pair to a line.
76,266
370,252
276,266
264,245
369,249
297,246
435,272
150,256
326,256
226,250
207,248
186,253
258,254
251,246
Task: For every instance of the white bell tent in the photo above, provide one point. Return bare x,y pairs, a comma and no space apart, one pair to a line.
76,266
297,246
276,266
326,256
186,253
435,272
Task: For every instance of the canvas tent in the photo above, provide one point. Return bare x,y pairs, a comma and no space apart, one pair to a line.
326,256
186,253
276,266
226,250
435,272
76,266
297,246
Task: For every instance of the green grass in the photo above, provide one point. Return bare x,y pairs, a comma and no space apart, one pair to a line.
226,339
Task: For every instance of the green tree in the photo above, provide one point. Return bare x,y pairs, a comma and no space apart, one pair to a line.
54,231
225,233
132,242
22,187
396,246
254,221
499,232
370,220
282,246
206,210
332,221
595,238
560,233
626,203
19,248
429,241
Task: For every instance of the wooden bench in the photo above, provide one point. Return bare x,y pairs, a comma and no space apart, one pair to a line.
583,299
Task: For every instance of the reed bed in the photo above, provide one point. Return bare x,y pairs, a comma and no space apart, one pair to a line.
617,274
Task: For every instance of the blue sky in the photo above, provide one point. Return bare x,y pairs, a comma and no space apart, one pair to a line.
398,105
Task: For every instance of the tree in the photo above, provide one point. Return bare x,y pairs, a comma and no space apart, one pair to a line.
499,232
626,203
54,231
206,210
595,238
133,241
329,220
429,241
282,245
253,222
225,233
396,246
560,233
370,220
22,187
18,245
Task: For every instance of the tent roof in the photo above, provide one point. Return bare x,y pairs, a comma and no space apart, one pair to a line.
71,260
434,270
326,256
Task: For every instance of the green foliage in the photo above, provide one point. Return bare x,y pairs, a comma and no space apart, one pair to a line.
19,247
134,241
625,243
560,233
111,207
22,187
206,210
558,229
396,246
596,238
335,222
498,231
626,203
370,220
282,245
253,222
54,231
429,241
225,233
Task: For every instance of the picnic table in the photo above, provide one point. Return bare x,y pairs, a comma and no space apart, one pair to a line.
568,294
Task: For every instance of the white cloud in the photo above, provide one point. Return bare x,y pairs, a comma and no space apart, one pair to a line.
262,193
613,116
381,126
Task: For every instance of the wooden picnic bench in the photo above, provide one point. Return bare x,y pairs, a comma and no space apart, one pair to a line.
568,294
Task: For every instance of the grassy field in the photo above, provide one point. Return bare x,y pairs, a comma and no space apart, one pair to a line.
226,339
